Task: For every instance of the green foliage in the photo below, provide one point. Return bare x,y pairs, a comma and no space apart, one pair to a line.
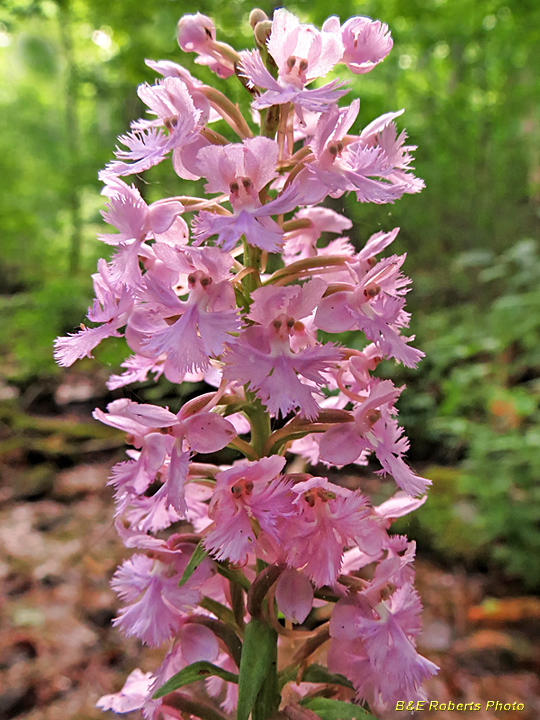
258,671
199,554
328,709
482,366
31,321
192,673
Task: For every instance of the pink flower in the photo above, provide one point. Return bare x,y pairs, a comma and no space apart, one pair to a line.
301,52
197,33
367,42
145,148
157,606
328,518
263,357
131,697
343,443
302,243
248,491
131,216
374,430
385,664
279,92
343,166
382,133
190,331
111,309
203,432
375,306
242,171
169,99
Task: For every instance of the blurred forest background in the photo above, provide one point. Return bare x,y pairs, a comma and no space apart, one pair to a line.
467,73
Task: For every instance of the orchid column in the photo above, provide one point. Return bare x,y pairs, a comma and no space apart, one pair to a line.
235,564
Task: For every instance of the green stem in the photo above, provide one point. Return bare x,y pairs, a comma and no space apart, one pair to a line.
236,576
259,419
252,259
268,699
270,121
258,693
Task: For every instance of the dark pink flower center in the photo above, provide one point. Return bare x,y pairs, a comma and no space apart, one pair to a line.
242,489
313,495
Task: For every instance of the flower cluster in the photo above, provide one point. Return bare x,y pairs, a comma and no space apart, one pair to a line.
236,288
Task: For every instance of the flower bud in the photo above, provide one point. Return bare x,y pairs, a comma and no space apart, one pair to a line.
256,16
262,31
195,32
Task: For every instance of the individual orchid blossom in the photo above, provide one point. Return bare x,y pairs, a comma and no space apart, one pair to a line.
375,306
197,33
245,493
243,171
306,228
263,357
111,308
176,126
367,42
201,432
327,519
157,606
314,100
242,550
379,651
365,165
302,53
188,332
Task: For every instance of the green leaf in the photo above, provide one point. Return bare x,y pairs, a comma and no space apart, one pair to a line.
222,612
196,671
236,576
199,554
319,674
258,663
328,709
315,674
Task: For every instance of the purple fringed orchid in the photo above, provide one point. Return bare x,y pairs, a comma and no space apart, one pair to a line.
243,550
302,53
202,432
264,359
242,171
110,309
378,651
188,332
367,42
247,492
327,519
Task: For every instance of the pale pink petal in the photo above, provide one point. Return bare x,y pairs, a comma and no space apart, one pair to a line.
294,595
198,642
341,444
207,432
131,697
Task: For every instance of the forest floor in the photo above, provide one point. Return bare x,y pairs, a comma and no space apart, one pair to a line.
59,549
